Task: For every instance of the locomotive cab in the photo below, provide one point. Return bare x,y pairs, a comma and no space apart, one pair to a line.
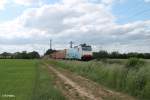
85,51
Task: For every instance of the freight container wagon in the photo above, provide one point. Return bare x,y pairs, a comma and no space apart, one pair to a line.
61,54
72,53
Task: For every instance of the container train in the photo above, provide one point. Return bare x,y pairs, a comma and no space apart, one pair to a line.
81,52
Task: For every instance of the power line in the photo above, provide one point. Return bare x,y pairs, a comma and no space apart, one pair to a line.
140,13
138,5
135,9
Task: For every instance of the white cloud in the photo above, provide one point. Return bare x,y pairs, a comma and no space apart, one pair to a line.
77,20
107,1
62,17
70,2
26,2
2,4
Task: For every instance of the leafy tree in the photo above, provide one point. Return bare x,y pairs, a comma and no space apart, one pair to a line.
49,51
20,55
33,55
115,54
100,55
5,55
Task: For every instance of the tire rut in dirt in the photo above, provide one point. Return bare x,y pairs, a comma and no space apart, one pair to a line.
72,86
76,87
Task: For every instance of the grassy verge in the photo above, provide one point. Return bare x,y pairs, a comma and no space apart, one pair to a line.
135,82
44,87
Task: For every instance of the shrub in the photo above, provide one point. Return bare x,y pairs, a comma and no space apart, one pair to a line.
134,63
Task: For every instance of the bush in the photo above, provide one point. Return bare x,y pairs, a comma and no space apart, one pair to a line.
134,63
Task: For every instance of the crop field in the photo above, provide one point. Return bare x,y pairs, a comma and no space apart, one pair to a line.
128,76
26,80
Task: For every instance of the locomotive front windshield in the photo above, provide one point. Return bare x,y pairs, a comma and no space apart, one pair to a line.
87,48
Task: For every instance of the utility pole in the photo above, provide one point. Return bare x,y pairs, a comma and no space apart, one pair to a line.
50,44
71,44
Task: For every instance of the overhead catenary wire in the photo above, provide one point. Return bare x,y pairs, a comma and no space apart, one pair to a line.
139,10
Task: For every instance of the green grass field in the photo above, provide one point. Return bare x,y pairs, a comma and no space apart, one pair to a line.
30,79
26,80
114,74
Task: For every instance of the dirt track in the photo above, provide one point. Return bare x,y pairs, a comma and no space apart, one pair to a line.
75,87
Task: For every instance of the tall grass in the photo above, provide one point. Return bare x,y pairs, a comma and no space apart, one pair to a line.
45,87
133,80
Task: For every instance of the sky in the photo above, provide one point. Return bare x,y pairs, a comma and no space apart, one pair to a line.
112,25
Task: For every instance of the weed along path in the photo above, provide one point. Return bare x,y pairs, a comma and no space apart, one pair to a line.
75,87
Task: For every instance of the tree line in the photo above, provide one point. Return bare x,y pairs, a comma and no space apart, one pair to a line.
116,55
20,55
96,55
24,55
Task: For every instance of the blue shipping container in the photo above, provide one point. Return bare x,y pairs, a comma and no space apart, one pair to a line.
73,53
